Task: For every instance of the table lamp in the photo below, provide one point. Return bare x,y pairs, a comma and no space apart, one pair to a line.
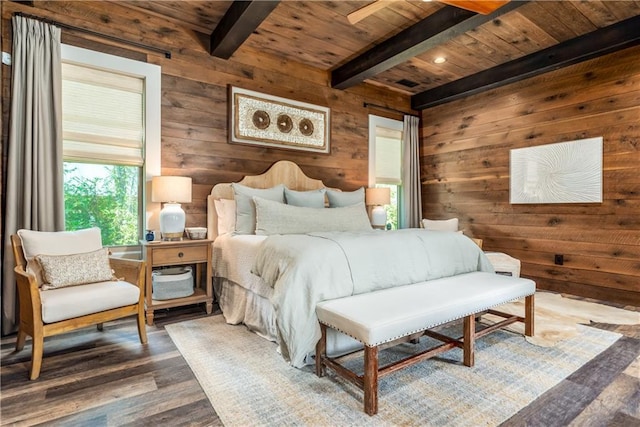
171,190
378,197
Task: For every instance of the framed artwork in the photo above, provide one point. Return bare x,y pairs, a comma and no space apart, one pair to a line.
271,121
566,172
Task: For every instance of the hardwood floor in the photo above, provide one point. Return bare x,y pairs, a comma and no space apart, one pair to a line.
107,378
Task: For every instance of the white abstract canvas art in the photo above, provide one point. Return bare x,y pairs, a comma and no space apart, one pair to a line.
566,172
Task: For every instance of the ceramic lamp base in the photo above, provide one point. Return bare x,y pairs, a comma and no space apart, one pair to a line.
378,216
172,221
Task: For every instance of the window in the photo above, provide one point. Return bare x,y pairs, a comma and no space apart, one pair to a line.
111,128
385,162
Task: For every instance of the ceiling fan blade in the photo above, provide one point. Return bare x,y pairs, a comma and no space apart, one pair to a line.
483,7
359,14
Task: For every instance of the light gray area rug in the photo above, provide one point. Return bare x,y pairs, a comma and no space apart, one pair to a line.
249,384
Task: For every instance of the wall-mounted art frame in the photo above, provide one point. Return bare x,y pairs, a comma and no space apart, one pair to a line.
270,121
565,172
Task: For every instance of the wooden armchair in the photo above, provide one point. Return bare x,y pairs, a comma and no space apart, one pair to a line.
50,312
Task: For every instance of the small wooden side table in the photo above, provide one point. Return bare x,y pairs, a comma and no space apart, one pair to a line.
179,253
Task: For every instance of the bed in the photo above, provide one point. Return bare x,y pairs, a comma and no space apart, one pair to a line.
271,281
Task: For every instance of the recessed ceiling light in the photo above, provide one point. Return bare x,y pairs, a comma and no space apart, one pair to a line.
440,60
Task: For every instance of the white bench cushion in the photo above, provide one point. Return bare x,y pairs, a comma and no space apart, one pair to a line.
382,316
74,301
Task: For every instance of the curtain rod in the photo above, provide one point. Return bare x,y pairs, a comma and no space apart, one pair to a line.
382,107
166,53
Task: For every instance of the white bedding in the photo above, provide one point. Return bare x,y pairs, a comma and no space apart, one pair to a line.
243,297
295,272
233,257
306,269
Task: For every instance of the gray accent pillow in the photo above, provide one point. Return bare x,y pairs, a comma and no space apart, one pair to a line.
245,208
340,199
277,218
305,199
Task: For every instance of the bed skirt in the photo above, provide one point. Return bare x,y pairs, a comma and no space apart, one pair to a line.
240,305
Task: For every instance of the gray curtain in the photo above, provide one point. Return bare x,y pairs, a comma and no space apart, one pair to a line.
34,193
412,197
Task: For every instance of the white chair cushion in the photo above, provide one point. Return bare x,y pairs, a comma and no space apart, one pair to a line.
75,301
440,224
57,243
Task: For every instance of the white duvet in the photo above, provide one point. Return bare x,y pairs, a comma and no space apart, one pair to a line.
306,269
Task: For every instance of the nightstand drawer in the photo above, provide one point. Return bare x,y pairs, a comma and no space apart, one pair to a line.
179,255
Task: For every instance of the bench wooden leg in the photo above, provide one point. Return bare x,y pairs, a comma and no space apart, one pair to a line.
321,349
371,380
469,339
529,318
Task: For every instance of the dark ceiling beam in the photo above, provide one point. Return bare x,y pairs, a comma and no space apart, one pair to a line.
241,19
597,43
439,27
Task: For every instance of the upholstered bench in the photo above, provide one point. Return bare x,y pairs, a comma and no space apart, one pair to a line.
390,314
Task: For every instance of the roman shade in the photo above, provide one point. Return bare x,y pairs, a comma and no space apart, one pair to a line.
112,130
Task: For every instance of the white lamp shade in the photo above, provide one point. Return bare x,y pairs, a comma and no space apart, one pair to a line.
378,196
174,189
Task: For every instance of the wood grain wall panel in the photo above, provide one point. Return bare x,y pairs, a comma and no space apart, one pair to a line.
465,150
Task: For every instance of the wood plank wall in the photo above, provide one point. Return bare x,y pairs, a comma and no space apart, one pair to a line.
194,98
465,173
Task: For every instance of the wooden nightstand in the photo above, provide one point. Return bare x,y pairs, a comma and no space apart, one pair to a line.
179,253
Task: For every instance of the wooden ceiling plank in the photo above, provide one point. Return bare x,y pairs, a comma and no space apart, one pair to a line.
596,12
538,36
202,18
623,9
443,25
240,20
570,14
610,39
414,12
551,23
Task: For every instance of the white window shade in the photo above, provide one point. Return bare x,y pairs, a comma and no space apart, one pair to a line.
103,116
388,157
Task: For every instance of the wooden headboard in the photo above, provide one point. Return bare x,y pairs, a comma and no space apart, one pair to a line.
282,172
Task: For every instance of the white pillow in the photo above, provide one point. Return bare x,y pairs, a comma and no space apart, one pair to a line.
226,210
341,199
276,218
246,210
440,224
305,199
57,243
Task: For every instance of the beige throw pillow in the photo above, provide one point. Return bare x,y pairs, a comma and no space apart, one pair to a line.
59,271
